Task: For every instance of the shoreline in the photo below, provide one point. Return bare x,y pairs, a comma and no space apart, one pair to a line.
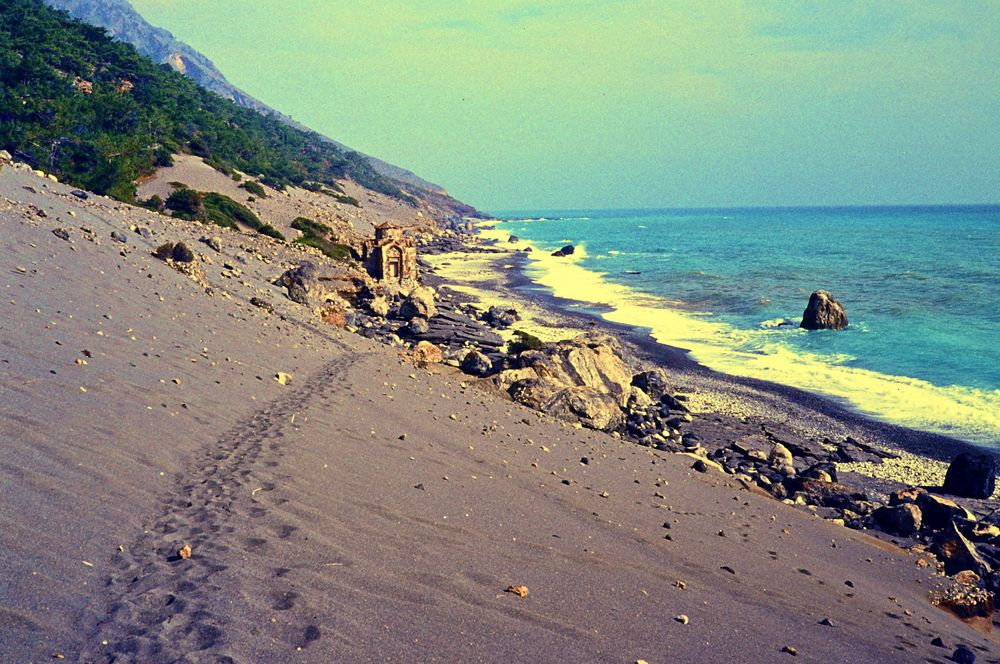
854,367
923,455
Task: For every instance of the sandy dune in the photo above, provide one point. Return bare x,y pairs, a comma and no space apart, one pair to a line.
368,510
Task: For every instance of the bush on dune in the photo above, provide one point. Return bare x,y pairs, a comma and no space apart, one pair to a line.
218,209
317,235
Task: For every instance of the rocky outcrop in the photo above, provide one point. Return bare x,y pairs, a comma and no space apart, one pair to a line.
314,286
971,475
500,318
425,353
418,326
583,379
957,553
568,250
379,306
449,328
823,313
591,407
590,360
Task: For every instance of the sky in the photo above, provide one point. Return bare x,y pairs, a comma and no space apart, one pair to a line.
574,104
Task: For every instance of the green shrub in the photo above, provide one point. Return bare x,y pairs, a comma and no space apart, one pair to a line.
163,158
154,202
254,188
333,250
224,211
316,234
523,341
218,209
187,202
310,227
271,231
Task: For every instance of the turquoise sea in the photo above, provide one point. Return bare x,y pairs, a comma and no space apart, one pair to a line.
921,286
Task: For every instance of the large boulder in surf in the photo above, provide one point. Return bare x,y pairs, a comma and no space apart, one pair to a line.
823,313
971,475
568,250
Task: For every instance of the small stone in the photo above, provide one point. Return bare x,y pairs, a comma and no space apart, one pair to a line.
682,619
520,591
184,552
937,642
61,233
791,650
262,304
283,378
826,622
213,243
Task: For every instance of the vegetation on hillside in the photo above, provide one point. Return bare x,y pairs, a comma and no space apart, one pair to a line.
99,115
315,234
254,188
219,209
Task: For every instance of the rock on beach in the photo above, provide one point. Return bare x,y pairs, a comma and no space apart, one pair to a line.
971,475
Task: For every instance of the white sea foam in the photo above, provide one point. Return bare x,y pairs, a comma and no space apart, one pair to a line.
961,411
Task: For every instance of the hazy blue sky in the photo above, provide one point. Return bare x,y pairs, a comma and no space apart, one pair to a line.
633,103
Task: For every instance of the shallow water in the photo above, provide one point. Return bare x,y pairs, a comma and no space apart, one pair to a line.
921,288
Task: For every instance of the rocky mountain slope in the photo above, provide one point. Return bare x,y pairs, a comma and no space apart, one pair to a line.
159,45
99,115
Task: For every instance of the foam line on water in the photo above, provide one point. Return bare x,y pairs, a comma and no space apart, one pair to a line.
961,411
